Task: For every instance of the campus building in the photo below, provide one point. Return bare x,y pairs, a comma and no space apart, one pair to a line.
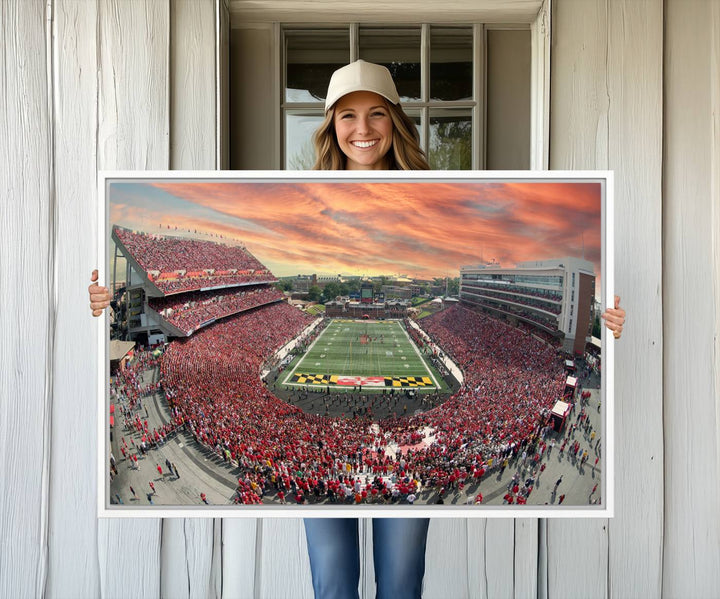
555,295
375,310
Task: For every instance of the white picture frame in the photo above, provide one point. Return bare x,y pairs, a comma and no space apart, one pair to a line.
465,180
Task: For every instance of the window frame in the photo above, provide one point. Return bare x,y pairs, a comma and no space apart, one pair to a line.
539,25
476,106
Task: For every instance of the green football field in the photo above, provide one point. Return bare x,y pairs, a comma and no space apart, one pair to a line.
372,354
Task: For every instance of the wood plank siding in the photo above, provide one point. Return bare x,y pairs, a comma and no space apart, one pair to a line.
142,84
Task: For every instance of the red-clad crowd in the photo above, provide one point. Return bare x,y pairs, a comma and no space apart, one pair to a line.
127,392
548,322
548,338
212,382
189,311
511,379
184,283
166,254
126,385
202,264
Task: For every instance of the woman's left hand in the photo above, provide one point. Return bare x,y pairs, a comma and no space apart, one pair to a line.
615,318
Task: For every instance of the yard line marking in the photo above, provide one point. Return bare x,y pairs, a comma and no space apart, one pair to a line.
307,351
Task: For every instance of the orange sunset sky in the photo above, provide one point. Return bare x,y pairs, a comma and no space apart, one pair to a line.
419,229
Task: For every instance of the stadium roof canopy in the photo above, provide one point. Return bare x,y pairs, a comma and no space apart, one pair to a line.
119,349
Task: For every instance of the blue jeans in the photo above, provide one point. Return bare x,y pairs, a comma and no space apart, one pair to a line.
398,553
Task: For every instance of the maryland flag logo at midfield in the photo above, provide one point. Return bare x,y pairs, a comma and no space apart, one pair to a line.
361,381
314,379
408,381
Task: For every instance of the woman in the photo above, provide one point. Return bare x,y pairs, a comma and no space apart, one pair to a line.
365,129
364,122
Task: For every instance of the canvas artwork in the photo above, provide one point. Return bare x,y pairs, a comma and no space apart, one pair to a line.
316,344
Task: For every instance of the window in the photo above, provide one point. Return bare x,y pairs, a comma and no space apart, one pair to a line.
439,71
468,88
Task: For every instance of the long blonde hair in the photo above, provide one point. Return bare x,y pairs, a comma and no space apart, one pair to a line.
405,154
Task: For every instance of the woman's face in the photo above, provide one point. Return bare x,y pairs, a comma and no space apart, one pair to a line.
364,130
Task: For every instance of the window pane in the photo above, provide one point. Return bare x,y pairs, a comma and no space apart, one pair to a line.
414,115
399,51
451,56
450,139
299,149
311,58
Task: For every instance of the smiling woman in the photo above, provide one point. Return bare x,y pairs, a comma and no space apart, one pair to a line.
365,128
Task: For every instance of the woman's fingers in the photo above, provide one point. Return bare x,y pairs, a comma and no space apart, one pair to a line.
615,318
99,296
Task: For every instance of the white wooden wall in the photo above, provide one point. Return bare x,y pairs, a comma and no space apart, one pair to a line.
132,85
691,327
606,113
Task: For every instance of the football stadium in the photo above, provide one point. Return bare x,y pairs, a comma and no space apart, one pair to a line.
311,409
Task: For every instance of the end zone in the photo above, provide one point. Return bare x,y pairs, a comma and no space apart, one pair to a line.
302,379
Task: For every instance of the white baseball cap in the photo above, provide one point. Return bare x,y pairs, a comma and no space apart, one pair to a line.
361,76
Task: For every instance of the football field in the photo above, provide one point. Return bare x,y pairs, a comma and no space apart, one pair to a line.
371,354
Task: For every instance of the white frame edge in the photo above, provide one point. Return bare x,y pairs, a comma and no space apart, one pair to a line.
607,265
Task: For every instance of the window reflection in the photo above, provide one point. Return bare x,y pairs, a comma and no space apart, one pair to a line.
299,149
450,144
398,50
311,57
451,63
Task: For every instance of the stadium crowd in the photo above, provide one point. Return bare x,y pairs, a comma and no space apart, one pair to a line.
212,382
127,392
189,311
511,381
183,283
190,264
126,386
548,322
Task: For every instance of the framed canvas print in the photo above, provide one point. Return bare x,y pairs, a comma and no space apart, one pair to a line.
324,344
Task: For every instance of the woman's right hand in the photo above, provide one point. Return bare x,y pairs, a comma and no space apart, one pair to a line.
99,296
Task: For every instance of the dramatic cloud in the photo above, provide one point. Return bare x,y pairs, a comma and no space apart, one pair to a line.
424,229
